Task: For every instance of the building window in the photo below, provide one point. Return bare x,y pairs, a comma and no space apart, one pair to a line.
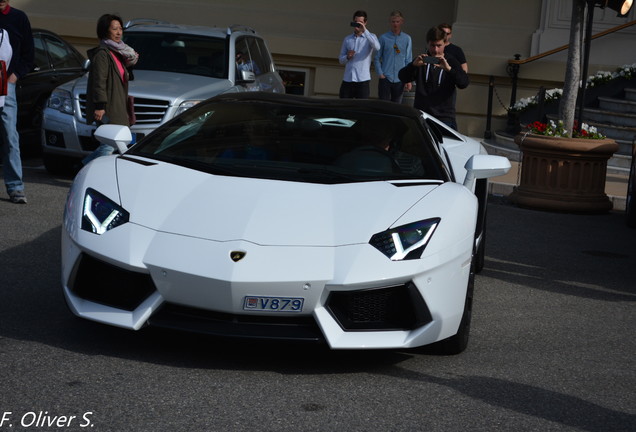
295,80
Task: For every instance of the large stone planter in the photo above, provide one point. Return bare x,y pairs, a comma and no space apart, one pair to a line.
563,174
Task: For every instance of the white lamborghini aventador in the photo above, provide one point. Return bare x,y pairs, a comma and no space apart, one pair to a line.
355,223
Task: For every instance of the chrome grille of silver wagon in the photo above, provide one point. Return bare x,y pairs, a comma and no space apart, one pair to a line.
147,111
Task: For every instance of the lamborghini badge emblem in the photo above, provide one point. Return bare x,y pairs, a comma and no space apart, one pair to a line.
237,255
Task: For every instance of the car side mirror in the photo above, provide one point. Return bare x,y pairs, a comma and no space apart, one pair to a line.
86,64
246,77
482,166
116,136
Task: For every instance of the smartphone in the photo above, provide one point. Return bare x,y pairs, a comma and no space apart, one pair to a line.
355,24
430,60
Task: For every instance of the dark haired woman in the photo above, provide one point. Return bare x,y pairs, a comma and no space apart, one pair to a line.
108,76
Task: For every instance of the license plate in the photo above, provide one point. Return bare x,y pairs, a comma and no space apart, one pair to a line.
273,304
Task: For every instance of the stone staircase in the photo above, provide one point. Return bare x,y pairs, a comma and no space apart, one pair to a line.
615,117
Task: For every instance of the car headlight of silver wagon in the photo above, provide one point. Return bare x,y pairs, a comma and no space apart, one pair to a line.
405,242
61,100
100,213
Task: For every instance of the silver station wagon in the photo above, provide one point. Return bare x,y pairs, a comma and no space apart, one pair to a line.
179,66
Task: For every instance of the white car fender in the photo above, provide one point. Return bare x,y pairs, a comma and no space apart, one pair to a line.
458,218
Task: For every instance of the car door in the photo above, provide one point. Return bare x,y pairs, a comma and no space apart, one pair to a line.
268,79
252,55
56,62
244,62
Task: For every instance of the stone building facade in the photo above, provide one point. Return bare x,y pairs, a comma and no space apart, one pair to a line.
305,37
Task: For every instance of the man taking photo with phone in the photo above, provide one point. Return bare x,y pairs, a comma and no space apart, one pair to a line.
437,76
356,54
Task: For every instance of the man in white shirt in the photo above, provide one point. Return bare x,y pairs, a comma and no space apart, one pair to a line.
356,54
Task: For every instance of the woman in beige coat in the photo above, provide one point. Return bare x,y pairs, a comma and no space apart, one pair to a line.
107,92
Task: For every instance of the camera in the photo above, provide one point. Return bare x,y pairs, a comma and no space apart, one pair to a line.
355,24
430,60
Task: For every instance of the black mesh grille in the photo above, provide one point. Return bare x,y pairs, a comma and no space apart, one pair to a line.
103,283
391,308
371,306
303,328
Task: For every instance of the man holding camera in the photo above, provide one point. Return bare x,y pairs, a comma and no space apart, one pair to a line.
356,54
437,76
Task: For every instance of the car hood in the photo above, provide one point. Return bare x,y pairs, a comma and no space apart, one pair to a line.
175,87
177,200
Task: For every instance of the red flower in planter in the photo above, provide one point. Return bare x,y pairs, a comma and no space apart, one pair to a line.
538,127
556,129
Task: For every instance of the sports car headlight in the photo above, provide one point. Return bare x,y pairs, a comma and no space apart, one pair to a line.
101,214
405,242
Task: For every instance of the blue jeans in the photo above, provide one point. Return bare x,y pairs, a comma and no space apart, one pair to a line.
102,150
11,162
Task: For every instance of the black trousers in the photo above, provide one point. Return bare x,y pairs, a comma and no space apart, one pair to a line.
390,91
355,90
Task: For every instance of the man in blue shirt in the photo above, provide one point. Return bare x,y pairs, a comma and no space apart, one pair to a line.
395,53
356,54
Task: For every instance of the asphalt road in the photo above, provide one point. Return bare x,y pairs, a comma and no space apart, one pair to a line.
552,347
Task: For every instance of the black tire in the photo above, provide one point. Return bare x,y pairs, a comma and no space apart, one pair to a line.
630,203
458,343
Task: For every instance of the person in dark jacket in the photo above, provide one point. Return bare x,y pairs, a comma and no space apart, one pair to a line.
108,76
18,28
453,49
437,76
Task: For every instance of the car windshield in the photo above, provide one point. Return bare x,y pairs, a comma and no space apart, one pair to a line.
183,53
319,144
